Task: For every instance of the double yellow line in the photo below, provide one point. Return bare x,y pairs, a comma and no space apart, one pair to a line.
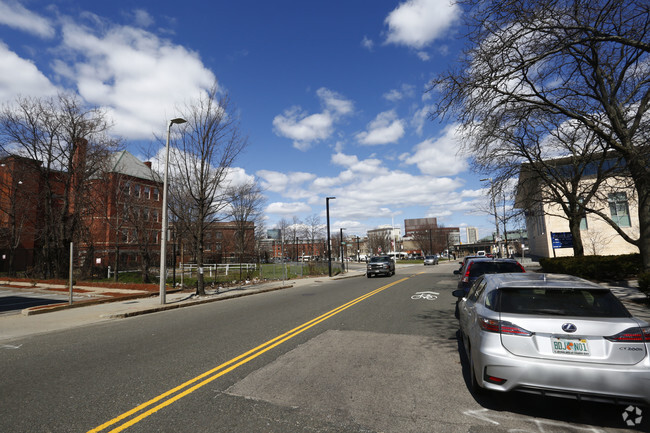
175,394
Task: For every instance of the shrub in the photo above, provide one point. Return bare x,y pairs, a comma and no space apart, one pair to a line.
644,283
601,268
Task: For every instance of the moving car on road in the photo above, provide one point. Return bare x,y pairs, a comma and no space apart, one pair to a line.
380,265
555,335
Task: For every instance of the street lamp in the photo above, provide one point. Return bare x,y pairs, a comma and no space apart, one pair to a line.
329,248
494,207
341,246
163,237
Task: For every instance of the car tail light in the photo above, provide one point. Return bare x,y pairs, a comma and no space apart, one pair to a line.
465,278
631,335
522,268
502,327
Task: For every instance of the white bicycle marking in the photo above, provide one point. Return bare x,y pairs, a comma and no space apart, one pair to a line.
429,296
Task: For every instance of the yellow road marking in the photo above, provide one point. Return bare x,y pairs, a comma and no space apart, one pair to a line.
231,365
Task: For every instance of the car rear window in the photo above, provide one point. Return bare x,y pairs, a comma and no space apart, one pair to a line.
488,267
556,302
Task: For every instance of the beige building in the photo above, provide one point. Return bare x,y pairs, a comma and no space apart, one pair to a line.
546,221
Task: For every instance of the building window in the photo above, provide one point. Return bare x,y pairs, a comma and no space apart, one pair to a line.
155,215
155,194
147,192
136,190
619,209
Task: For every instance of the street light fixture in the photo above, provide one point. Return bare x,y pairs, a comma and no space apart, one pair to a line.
163,237
329,248
496,219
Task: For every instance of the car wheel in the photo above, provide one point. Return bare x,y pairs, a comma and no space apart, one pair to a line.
368,275
475,388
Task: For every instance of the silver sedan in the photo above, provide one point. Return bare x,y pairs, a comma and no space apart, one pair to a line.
554,335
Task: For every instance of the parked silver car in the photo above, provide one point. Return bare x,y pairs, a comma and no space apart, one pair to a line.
553,335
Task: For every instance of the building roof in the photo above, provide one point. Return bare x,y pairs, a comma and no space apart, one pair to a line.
125,163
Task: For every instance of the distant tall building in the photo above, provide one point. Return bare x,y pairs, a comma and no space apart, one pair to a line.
419,224
472,235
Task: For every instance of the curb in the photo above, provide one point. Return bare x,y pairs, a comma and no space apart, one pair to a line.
183,303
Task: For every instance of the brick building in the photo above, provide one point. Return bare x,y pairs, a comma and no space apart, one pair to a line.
121,217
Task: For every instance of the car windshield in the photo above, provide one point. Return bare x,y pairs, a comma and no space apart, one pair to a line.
379,259
556,302
489,267
431,257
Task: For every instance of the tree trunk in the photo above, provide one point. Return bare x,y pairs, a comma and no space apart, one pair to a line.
576,234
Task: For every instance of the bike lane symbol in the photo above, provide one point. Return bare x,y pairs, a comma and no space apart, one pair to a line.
429,296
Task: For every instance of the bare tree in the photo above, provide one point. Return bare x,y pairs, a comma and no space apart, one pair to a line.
313,231
537,61
379,242
70,141
245,209
205,149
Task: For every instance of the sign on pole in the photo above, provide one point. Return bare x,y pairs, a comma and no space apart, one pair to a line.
562,240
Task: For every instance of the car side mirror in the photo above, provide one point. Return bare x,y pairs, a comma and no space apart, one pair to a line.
457,272
459,293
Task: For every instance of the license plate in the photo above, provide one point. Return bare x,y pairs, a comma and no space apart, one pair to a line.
570,346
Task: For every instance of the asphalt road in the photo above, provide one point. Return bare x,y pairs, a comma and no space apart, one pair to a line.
354,355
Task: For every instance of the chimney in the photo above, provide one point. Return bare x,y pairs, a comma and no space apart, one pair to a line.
148,164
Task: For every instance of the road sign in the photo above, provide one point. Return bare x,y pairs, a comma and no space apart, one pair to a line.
562,240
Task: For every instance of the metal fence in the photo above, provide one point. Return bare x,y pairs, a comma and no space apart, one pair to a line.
265,271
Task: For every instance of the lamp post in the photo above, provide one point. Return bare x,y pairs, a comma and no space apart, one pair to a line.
163,237
494,207
329,248
358,250
341,247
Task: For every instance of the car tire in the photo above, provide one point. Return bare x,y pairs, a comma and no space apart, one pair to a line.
368,275
475,388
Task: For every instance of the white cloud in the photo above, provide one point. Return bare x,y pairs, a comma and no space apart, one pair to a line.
124,69
287,209
306,129
21,77
438,157
417,23
420,118
16,16
281,183
385,128
424,56
395,95
142,18
367,43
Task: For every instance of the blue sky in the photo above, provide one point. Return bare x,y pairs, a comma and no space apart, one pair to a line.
331,94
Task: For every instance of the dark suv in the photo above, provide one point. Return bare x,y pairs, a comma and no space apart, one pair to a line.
475,267
380,265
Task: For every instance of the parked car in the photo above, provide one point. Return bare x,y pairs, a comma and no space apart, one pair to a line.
553,334
475,267
481,253
380,265
430,260
462,263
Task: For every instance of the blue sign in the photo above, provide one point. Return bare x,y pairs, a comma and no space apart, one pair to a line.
562,240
